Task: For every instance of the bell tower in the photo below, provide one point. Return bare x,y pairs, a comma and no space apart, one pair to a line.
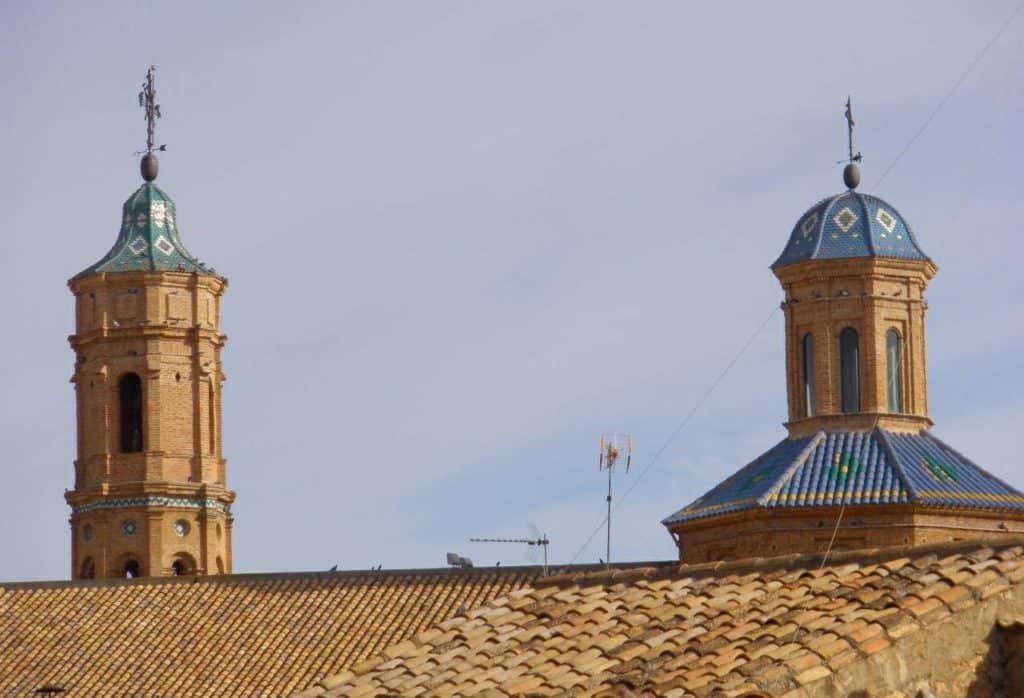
150,495
860,467
854,279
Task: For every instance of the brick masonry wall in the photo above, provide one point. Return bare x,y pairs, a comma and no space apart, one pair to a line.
164,327
872,296
793,531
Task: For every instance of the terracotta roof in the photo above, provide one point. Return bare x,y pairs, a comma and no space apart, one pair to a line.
237,635
725,629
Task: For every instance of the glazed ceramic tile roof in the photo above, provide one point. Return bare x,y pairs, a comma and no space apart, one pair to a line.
835,468
148,239
850,224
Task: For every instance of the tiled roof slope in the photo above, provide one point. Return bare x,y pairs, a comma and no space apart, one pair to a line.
148,239
850,224
237,635
877,467
717,629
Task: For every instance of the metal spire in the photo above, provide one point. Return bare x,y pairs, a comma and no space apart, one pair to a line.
147,100
851,173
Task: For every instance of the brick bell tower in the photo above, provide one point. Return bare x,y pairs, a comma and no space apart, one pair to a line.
150,495
860,467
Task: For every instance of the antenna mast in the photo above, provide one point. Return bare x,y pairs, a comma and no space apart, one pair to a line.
541,541
614,447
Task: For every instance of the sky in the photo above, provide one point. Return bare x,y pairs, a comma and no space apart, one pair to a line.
465,239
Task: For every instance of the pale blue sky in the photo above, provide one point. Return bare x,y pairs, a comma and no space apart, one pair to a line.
465,239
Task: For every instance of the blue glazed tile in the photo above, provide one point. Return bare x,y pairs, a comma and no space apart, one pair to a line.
848,225
831,469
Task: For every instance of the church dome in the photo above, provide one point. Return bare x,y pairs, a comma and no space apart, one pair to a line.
848,225
148,239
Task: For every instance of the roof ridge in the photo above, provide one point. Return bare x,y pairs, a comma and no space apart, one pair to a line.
869,237
791,561
836,558
967,460
791,469
821,223
251,577
897,465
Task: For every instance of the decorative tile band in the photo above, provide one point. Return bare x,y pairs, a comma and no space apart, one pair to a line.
170,502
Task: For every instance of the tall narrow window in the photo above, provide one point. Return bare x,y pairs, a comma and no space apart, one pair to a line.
130,389
893,379
213,419
808,370
88,569
849,369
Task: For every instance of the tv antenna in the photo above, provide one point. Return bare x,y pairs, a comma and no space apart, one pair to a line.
538,539
616,449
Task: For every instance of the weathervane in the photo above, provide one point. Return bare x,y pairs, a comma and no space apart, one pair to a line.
147,100
851,173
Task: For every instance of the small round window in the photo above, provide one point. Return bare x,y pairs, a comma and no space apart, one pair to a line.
181,527
128,528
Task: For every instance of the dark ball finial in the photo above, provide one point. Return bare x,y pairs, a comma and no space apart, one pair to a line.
149,166
851,176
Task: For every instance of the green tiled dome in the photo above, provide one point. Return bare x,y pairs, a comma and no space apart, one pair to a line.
148,240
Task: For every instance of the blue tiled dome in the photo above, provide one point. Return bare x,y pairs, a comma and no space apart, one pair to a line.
850,224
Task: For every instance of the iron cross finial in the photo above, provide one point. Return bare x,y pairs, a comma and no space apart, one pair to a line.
147,100
849,125
851,173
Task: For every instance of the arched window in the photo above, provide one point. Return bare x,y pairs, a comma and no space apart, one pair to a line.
130,392
132,569
182,565
893,378
849,369
808,374
88,569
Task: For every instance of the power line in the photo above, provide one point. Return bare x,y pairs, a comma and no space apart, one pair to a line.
942,103
682,425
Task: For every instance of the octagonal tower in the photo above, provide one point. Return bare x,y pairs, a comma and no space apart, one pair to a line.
860,467
150,495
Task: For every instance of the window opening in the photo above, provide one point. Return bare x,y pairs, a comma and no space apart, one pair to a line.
893,379
849,369
808,370
88,569
183,565
131,569
130,389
